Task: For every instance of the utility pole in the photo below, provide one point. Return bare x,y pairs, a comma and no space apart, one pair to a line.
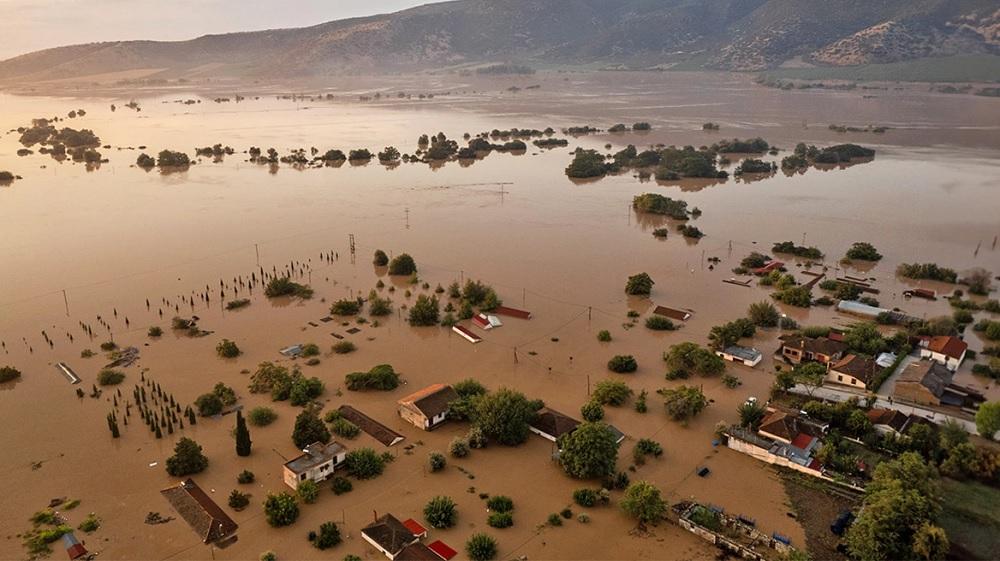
257,249
66,301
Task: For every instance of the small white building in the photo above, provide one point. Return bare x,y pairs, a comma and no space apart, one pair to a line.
746,356
317,463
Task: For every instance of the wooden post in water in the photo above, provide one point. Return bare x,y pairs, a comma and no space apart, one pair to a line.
66,301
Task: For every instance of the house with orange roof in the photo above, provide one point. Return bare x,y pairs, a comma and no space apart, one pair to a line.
944,349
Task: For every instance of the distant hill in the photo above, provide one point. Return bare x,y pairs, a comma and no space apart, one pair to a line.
743,35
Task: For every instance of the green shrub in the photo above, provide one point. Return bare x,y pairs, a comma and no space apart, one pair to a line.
554,519
9,373
364,463
381,377
604,336
109,377
500,520
308,491
436,461
345,428
500,503
345,307
481,547
155,331
261,416
659,323
245,477
440,512
402,264
623,364
341,485
585,497
344,347
227,349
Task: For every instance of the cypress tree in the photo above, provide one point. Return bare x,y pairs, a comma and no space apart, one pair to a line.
242,436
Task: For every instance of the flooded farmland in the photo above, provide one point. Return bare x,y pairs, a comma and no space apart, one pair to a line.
79,242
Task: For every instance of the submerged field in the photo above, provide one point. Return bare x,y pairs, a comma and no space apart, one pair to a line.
117,236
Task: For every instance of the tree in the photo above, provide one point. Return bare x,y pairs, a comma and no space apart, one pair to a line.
402,264
611,392
623,364
592,411
208,404
504,416
902,497
9,373
809,374
481,547
327,537
364,463
187,459
988,419
763,314
639,285
309,428
380,377
589,451
243,442
728,334
930,543
962,461
642,501
586,164
683,402
865,338
436,461
440,512
693,359
425,311
227,349
281,509
381,259
238,501
978,280
308,491
751,414
863,251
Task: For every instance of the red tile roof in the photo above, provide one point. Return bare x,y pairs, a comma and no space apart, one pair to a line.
442,549
512,312
802,441
414,527
947,345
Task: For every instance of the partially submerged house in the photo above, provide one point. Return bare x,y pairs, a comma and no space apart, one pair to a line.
427,408
388,535
486,321
945,349
797,349
511,312
784,438
928,382
772,265
205,517
466,334
417,552
672,313
747,356
551,424
317,463
853,370
293,351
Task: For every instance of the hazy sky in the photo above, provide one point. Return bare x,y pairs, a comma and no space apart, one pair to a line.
30,25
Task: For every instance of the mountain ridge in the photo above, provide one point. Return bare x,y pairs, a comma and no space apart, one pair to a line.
739,35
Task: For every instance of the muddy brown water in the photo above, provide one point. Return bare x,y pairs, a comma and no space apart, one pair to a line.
117,235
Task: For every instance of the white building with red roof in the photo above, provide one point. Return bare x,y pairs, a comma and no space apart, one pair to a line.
945,349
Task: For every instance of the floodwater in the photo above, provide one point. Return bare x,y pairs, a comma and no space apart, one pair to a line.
115,236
